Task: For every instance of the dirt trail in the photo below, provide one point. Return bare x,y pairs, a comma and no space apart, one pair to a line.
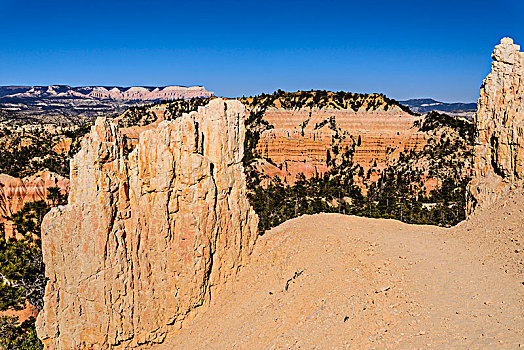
335,281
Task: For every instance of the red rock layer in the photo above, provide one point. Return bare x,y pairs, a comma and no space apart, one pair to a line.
15,192
300,139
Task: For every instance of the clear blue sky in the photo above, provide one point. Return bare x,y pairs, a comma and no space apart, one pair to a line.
404,49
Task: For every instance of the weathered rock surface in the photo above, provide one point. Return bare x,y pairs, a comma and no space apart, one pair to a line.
499,144
146,237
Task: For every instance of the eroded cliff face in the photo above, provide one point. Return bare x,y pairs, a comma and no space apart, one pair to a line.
147,237
299,139
499,144
15,192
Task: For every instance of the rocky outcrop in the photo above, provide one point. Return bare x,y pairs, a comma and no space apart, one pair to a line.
499,144
149,236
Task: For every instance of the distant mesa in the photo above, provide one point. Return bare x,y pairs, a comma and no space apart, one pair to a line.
64,104
134,93
426,105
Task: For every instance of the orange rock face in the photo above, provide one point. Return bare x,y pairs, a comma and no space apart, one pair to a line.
147,237
15,192
300,139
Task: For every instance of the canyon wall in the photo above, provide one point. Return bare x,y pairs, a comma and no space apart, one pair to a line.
499,143
148,236
15,192
299,139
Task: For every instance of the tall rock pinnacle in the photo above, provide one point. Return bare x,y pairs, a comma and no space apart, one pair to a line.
499,145
148,236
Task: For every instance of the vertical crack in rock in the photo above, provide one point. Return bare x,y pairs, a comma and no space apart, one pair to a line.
146,238
499,144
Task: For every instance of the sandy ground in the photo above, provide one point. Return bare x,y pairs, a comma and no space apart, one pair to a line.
331,281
